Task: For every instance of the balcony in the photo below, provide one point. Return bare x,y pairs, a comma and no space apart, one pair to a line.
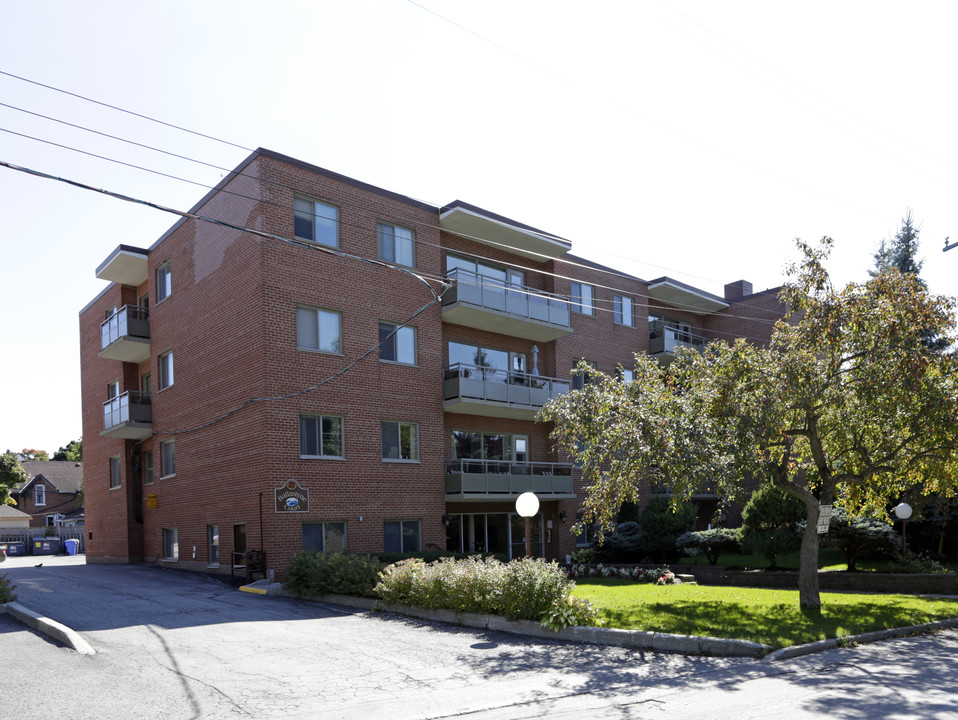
128,416
125,335
481,480
488,304
491,392
666,338
497,231
126,265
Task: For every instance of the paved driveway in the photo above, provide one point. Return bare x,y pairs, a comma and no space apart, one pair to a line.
178,645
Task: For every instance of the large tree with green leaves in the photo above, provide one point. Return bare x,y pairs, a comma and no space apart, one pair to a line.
72,451
11,475
846,402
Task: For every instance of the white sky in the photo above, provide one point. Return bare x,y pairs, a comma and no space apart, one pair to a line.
693,139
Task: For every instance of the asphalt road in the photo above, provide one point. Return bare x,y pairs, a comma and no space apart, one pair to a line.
178,645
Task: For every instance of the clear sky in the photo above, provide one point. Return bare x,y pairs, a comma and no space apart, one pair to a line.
690,139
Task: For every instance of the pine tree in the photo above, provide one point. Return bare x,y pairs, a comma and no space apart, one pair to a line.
900,251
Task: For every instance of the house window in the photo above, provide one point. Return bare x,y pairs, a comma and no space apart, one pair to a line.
145,383
167,458
40,495
622,312
583,298
316,221
112,389
320,436
400,441
625,375
166,370
588,535
148,467
318,330
164,282
581,379
326,537
471,445
213,544
397,343
396,244
51,520
491,274
171,544
495,363
401,536
114,472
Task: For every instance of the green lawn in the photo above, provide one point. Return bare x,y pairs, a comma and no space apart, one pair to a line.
766,616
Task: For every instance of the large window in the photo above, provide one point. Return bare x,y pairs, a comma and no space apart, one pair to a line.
40,495
401,536
115,472
164,282
320,436
168,458
396,244
316,221
622,312
583,298
400,440
471,445
171,544
478,356
166,370
326,537
318,330
148,467
397,343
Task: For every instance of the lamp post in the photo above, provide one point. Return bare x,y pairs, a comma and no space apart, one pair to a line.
902,512
527,505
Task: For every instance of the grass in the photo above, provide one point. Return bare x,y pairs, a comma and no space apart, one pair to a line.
772,617
828,559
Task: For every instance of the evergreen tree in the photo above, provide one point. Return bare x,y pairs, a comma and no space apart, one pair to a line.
899,252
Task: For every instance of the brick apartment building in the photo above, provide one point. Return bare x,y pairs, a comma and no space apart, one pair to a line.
241,392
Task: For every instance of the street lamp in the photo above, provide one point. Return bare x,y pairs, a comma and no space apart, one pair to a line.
527,505
902,512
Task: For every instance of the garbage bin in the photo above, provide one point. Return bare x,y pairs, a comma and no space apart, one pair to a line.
45,545
70,546
14,548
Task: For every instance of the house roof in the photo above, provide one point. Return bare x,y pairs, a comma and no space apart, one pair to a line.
8,511
64,476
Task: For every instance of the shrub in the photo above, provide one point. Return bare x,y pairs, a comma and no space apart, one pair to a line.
713,542
569,611
625,543
770,523
388,558
661,525
585,555
6,589
855,535
315,573
917,563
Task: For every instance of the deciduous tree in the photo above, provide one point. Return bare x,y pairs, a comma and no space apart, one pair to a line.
11,475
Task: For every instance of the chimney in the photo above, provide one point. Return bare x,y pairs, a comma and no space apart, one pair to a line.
737,290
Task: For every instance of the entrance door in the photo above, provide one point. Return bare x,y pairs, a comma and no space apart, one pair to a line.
239,543
518,528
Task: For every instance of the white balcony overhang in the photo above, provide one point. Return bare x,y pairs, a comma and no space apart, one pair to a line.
129,430
127,265
685,297
127,349
500,232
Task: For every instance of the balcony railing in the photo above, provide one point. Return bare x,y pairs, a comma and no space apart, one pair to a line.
490,304
125,335
470,479
666,338
498,393
128,415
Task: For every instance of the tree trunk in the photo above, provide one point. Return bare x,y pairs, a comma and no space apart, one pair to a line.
808,595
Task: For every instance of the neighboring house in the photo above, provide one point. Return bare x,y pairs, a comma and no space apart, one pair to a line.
12,519
331,403
52,493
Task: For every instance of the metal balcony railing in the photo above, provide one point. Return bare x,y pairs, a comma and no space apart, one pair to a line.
128,321
500,386
128,407
501,477
666,337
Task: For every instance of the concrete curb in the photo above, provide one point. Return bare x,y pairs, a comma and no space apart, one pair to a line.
664,642
51,628
799,650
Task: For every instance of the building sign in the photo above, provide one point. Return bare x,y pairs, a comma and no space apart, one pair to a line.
824,518
151,501
292,498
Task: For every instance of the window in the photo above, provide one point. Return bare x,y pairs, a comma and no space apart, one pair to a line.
320,436
495,362
148,467
625,376
145,383
213,544
324,537
471,445
167,458
171,544
112,389
490,274
401,536
396,244
318,330
583,299
316,221
397,343
622,312
50,520
581,379
164,282
166,370
40,495
400,441
114,472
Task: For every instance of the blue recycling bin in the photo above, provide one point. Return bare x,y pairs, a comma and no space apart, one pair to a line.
45,545
14,548
71,546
